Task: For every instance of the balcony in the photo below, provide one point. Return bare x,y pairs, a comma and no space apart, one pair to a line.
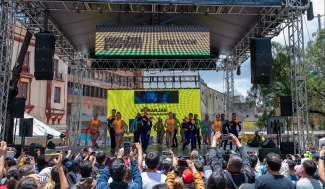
59,76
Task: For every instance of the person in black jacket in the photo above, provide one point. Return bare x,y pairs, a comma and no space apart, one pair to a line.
238,168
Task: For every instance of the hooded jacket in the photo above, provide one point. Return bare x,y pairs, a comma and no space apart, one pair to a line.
87,183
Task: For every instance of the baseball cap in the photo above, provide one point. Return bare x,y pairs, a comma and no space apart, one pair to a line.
187,176
298,170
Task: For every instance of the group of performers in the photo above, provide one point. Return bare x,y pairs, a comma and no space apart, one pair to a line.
190,129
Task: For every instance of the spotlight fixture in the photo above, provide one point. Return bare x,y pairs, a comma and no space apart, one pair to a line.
62,135
99,9
49,136
78,11
75,6
208,10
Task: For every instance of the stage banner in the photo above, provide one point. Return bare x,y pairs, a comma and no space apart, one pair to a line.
159,103
152,41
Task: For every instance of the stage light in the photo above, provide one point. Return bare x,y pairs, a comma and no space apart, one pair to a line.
62,135
99,9
238,70
208,10
78,11
75,6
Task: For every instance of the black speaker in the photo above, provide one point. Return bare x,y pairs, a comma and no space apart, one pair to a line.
44,54
35,144
26,127
268,143
287,148
51,144
262,153
310,12
261,60
286,105
17,108
250,142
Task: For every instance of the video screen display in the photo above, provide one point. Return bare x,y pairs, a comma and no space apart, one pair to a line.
155,97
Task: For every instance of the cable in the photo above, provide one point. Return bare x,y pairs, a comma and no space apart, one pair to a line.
307,28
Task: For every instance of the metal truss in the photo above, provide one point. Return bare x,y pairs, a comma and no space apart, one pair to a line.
162,8
298,78
76,105
7,33
32,17
230,92
126,80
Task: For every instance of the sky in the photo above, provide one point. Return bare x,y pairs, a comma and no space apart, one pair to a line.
242,83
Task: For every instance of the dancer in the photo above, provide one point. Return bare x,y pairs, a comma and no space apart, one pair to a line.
224,130
177,124
136,126
159,128
146,127
206,130
234,127
197,138
188,125
94,125
181,132
170,128
119,127
110,121
217,126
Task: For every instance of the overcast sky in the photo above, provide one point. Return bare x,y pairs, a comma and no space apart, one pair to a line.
215,79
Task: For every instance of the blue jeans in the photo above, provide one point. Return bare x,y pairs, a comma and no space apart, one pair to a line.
145,138
189,138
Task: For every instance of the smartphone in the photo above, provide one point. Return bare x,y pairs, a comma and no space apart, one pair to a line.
66,152
249,152
225,137
50,157
93,153
85,149
10,154
59,151
127,148
182,163
25,149
166,153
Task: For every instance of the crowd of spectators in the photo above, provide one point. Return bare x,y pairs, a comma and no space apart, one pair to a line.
90,169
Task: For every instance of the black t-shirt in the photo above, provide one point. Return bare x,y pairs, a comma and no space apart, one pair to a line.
269,181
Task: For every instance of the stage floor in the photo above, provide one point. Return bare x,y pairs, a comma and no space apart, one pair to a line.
151,148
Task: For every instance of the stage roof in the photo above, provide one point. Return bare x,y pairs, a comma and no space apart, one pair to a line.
232,23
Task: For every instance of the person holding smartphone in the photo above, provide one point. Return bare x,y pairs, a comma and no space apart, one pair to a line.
94,125
120,127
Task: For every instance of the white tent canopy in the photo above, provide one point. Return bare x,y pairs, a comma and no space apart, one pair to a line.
39,128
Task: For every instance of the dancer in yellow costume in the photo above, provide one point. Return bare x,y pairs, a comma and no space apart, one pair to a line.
120,127
170,130
94,125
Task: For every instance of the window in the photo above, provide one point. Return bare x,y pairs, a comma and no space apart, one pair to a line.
56,66
96,75
23,89
57,93
26,60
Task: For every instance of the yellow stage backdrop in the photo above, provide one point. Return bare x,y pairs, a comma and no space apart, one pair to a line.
159,102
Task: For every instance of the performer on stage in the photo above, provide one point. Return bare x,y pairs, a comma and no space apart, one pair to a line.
234,127
159,128
217,125
137,128
206,130
119,127
170,130
182,132
224,129
188,125
110,121
94,125
177,125
146,127
197,137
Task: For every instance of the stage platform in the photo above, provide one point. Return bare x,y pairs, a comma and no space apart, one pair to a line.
177,151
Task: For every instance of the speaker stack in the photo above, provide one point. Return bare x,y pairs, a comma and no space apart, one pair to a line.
261,60
286,105
44,54
17,108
